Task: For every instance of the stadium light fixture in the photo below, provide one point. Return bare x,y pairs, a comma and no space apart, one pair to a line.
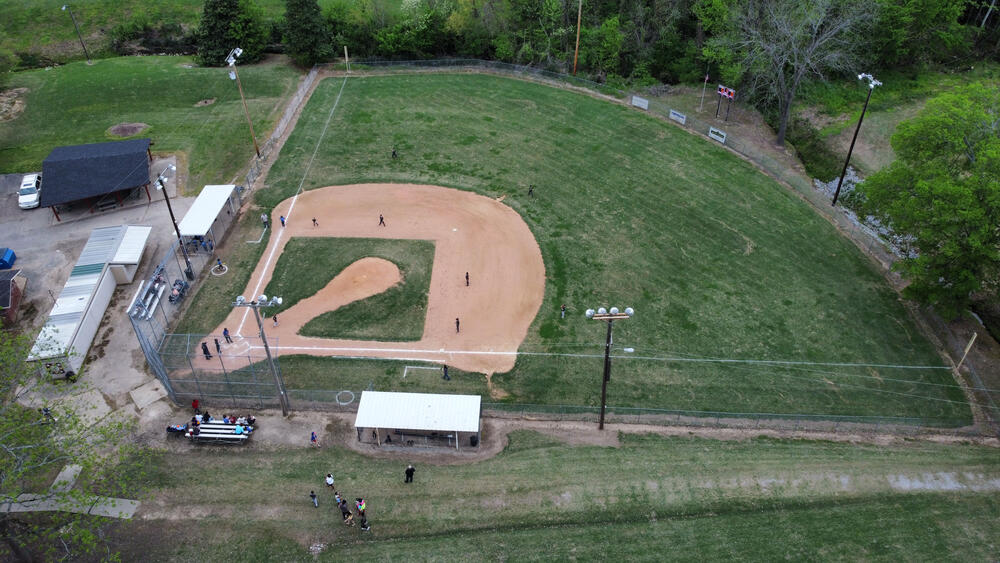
235,75
609,316
872,83
161,185
256,304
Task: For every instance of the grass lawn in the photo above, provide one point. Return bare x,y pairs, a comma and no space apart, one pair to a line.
717,259
759,499
77,103
309,263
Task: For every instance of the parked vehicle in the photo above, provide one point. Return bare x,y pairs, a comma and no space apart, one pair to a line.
30,192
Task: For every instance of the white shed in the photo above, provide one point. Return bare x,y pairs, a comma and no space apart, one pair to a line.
418,418
110,257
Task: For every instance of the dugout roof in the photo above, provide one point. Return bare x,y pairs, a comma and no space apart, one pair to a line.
81,171
419,411
210,202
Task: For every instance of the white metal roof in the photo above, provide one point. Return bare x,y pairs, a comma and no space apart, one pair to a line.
418,411
132,244
204,210
122,245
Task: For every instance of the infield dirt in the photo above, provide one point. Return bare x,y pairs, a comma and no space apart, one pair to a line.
471,233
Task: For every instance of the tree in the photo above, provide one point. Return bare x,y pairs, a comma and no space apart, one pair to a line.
942,196
770,46
307,38
227,24
35,445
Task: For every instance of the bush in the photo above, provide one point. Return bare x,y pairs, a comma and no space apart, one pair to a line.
819,160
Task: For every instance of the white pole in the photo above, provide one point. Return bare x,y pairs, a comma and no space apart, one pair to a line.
703,87
347,59
967,348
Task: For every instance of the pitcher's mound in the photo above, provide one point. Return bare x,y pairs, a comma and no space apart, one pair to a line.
127,129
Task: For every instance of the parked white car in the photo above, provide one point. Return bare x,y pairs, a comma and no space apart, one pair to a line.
30,192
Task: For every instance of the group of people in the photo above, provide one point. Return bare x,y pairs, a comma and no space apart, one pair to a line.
360,506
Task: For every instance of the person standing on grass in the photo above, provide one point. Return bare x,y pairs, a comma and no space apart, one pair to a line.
409,473
263,219
394,155
312,495
345,510
562,312
329,480
531,190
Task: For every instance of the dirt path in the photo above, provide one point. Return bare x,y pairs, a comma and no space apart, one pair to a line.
472,233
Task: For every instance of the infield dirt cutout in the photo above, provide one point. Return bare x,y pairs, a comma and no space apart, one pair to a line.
471,233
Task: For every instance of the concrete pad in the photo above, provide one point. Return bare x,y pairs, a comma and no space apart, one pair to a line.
90,406
66,478
115,507
147,394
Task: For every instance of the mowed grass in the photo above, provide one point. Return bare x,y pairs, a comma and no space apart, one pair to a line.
760,499
77,103
307,265
718,260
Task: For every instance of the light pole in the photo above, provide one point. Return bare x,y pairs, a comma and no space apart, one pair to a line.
189,272
872,83
610,316
234,75
66,8
262,301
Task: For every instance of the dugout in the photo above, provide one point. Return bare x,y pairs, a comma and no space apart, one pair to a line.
99,175
208,219
418,419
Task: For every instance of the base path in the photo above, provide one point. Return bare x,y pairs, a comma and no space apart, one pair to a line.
471,233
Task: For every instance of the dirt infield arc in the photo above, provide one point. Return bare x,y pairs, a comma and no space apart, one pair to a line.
472,233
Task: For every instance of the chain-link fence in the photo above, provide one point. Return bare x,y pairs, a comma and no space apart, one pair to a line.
258,164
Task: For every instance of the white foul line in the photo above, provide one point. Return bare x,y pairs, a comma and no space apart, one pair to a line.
277,239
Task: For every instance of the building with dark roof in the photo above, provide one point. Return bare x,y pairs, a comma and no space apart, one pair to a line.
11,291
98,174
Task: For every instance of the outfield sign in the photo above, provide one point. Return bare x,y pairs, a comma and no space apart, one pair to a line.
725,92
678,117
640,102
717,134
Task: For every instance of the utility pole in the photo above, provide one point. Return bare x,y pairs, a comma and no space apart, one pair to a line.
579,13
82,44
872,83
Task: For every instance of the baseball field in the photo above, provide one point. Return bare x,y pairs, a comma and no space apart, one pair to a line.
746,299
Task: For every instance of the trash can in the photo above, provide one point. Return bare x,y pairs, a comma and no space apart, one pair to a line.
7,258
473,440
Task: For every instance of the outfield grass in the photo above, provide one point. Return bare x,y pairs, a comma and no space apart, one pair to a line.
307,265
77,103
311,373
759,499
717,259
